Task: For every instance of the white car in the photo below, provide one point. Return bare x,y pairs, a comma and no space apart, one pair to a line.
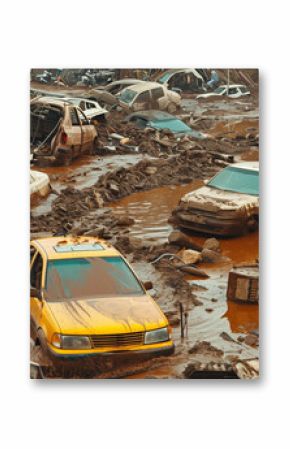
39,184
231,91
149,95
227,205
90,108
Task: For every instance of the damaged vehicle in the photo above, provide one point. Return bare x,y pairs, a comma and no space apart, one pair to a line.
182,80
227,205
149,95
91,109
231,91
60,131
86,301
162,120
39,185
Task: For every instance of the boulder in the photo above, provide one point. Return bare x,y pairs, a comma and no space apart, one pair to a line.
180,239
213,244
125,221
207,255
189,256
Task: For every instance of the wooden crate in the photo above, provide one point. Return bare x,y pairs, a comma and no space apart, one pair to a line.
243,284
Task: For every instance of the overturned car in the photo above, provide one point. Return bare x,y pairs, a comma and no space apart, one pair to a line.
227,205
60,131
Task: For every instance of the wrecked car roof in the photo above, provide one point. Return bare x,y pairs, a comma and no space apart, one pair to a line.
172,71
51,100
144,86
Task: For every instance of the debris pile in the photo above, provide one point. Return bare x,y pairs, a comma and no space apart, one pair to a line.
72,203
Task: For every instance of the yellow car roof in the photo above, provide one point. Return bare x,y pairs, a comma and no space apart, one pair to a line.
72,247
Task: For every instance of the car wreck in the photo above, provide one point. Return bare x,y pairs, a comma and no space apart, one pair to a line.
39,185
231,91
161,120
227,205
149,95
60,131
182,80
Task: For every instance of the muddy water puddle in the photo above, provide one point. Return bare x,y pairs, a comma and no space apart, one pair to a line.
151,210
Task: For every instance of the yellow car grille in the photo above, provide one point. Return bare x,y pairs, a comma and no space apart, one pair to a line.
131,339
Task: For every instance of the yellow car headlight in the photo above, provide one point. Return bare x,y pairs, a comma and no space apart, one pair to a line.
71,341
156,336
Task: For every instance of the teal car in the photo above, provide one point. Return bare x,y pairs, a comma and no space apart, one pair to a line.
162,120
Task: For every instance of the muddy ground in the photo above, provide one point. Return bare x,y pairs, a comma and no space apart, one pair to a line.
126,196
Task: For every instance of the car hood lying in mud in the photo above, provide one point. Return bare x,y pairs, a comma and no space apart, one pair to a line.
107,315
208,198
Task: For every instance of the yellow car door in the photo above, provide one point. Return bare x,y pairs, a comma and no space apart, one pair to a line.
36,282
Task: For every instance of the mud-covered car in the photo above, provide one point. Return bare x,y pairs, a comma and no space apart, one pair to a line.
39,185
149,95
86,301
182,80
162,120
60,131
227,205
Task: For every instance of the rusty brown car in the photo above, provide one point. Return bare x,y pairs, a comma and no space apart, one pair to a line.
60,131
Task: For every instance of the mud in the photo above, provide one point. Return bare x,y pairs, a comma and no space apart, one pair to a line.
128,199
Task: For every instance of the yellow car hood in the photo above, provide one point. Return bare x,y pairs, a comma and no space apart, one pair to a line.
107,315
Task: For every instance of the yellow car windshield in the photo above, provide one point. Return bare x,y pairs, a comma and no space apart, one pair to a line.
93,277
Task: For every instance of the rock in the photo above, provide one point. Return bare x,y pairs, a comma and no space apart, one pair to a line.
180,239
113,188
98,199
189,256
97,232
212,244
205,348
125,221
150,170
207,255
251,340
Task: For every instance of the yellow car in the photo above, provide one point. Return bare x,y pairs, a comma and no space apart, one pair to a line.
86,300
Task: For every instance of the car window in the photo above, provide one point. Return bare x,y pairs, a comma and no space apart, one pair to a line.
74,117
243,89
232,91
83,105
237,179
144,97
36,272
91,277
157,93
83,119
